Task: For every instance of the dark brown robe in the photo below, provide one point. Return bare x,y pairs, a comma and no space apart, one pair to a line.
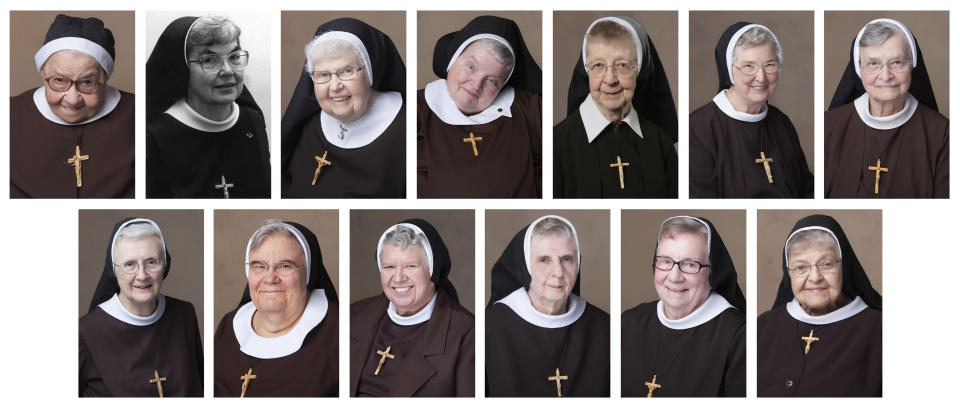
508,164
312,371
917,156
847,361
117,359
39,150
704,361
438,361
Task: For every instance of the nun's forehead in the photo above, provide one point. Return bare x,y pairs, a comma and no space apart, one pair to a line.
290,241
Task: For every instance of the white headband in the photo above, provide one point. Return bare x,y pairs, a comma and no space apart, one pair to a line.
625,24
353,40
79,44
426,245
488,36
300,238
113,242
529,233
733,44
903,28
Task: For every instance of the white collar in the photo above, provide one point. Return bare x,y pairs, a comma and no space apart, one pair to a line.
417,318
862,104
254,345
712,307
851,309
440,102
594,122
726,107
182,112
368,128
111,98
519,302
114,308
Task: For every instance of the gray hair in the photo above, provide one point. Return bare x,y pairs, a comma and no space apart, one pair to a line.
272,227
138,230
879,32
211,29
319,48
804,240
551,226
498,49
757,36
404,237
680,225
609,31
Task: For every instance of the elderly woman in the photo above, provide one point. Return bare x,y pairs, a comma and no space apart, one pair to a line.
883,135
415,339
823,336
478,126
282,339
740,146
73,136
543,340
694,336
617,80
206,136
343,132
134,341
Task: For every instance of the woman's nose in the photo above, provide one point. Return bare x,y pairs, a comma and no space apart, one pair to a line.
675,274
610,77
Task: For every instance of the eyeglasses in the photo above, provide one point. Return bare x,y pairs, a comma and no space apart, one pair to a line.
874,66
623,70
344,74
84,86
150,265
752,69
281,268
212,63
690,267
824,267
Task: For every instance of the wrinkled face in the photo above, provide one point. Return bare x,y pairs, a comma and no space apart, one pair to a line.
817,292
611,92
553,267
682,293
475,79
757,88
214,88
886,85
405,278
344,100
71,105
142,287
272,291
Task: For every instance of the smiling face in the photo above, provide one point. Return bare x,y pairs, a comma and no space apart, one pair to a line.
818,292
682,293
612,93
345,100
752,90
273,292
405,278
886,86
138,291
214,89
553,269
71,105
475,79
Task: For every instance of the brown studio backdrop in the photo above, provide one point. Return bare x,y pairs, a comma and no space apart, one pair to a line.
569,28
298,27
434,24
231,232
593,231
455,227
29,28
639,229
794,93
182,234
862,227
930,28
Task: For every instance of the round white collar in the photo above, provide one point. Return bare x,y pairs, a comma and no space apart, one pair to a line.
849,310
111,99
368,128
257,346
440,102
114,308
726,107
862,105
182,112
519,302
712,307
417,318
594,122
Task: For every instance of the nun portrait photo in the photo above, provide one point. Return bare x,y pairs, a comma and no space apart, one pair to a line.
823,337
71,106
479,111
741,145
617,137
885,135
412,330
543,337
687,337
343,129
136,338
206,134
281,338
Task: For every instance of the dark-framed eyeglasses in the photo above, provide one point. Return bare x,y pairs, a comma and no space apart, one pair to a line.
825,267
752,69
84,86
347,73
281,268
130,267
664,263
621,69
212,63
